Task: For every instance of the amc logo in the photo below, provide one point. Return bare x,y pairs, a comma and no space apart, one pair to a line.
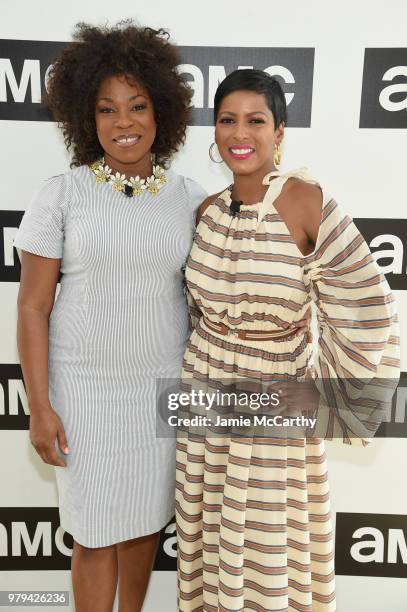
9,261
25,64
371,545
14,410
384,89
386,239
32,539
205,67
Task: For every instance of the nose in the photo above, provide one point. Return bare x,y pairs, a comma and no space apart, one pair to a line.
240,132
124,119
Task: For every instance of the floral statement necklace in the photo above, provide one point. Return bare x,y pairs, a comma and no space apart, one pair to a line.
134,186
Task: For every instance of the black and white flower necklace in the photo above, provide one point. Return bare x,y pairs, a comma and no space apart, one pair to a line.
134,186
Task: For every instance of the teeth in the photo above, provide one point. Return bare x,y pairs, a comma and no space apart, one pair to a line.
241,151
127,140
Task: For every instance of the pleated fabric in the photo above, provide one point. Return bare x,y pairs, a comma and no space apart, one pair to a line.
120,321
253,515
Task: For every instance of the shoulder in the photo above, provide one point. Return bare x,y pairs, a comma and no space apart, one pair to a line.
306,195
304,203
41,231
69,177
205,204
189,186
192,192
195,192
55,191
79,172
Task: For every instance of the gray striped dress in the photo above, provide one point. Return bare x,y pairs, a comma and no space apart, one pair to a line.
253,516
119,322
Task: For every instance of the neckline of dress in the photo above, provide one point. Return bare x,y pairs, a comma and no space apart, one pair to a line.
228,193
271,178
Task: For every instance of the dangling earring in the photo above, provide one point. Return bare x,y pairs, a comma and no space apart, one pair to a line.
277,154
211,155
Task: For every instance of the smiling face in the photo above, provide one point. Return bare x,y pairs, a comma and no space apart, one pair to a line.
125,125
245,133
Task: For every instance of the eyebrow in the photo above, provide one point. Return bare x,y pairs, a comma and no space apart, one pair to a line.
131,98
259,112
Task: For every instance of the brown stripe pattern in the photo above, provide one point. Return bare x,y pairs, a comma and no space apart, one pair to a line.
253,514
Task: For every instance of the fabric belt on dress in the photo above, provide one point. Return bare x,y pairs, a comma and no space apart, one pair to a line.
245,334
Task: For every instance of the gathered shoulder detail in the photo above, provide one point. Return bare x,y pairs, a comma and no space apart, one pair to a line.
302,173
276,181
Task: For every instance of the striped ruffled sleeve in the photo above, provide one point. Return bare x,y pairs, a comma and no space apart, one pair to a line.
357,362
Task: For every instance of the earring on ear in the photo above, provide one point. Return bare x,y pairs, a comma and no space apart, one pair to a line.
212,157
277,154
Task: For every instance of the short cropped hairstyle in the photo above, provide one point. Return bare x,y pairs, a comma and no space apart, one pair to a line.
124,49
254,80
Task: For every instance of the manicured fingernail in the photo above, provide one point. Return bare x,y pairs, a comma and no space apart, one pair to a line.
66,450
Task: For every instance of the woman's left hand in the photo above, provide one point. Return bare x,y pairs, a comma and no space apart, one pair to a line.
299,397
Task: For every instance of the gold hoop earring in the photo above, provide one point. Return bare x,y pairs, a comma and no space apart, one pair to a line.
277,154
211,155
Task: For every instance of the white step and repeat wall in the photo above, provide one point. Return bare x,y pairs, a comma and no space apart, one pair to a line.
343,66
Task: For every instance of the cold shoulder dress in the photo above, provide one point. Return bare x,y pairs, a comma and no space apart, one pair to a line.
253,515
120,321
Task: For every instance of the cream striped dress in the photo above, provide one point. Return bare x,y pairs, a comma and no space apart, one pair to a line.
253,515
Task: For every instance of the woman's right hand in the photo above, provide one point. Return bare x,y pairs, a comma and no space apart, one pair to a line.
45,428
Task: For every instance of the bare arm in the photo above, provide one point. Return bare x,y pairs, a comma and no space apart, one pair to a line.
300,206
39,277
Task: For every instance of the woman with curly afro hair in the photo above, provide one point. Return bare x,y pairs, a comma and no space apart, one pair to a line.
117,227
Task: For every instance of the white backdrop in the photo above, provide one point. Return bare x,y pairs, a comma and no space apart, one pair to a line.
364,169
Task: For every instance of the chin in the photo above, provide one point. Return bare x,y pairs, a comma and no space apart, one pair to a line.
126,157
241,170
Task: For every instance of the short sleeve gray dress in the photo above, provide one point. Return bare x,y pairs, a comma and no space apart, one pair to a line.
119,322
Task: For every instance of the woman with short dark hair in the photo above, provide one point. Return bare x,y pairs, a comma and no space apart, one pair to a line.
252,502
118,226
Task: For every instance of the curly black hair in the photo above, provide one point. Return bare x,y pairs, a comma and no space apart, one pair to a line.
124,49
